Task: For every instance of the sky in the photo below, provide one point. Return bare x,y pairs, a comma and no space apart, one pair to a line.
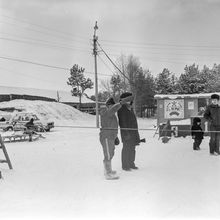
41,40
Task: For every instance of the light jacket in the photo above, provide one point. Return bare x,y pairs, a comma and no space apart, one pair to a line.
109,122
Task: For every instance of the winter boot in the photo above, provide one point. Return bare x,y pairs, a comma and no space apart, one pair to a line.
108,174
113,171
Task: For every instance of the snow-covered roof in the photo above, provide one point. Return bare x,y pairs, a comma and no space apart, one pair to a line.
64,96
178,96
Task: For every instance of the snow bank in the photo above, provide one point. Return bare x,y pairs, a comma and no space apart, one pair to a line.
53,111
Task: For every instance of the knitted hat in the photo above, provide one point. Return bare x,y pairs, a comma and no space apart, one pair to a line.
215,96
125,94
196,119
110,101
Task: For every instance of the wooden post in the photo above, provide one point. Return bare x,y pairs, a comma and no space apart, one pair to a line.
2,146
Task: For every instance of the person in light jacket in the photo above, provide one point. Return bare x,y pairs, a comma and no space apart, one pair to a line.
108,133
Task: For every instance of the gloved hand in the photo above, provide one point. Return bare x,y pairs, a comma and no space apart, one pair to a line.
117,141
143,140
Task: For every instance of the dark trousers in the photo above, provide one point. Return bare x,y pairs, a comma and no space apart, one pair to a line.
128,155
197,143
214,142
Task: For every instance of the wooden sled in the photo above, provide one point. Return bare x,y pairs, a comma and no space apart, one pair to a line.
21,136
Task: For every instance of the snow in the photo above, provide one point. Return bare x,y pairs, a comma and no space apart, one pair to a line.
186,121
181,96
51,111
61,176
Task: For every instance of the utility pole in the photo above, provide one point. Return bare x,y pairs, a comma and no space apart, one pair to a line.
58,96
95,38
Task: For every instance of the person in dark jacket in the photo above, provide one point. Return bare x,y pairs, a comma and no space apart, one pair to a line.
130,136
212,114
30,128
197,133
30,124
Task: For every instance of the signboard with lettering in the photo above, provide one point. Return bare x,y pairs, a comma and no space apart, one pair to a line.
174,108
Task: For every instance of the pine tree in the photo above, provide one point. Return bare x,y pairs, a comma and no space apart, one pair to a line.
78,82
194,80
165,82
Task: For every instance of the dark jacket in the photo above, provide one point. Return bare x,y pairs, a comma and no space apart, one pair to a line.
127,119
30,124
212,114
197,132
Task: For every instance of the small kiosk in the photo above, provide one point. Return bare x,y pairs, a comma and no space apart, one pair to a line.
179,110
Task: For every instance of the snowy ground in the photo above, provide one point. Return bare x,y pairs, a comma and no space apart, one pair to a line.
61,177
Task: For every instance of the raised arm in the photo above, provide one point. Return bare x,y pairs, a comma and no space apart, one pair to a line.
207,114
117,106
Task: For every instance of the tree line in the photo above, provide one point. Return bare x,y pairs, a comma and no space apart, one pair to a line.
131,76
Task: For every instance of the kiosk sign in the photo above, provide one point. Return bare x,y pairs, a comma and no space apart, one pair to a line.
174,108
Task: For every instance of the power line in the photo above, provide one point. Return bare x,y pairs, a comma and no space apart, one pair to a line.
45,33
44,65
140,44
36,39
136,44
25,75
105,64
170,53
31,62
43,44
158,59
41,27
113,62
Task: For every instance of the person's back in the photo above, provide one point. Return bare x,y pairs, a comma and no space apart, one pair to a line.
30,124
109,122
2,119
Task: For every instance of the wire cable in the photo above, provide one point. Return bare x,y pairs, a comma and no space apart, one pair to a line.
43,44
113,63
44,65
63,34
28,76
44,33
105,64
141,45
131,129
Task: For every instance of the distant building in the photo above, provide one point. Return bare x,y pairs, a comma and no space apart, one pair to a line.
180,109
180,106
10,93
